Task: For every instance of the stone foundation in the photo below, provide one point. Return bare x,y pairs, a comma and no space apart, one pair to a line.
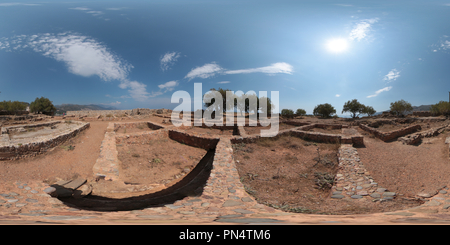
417,137
391,135
36,145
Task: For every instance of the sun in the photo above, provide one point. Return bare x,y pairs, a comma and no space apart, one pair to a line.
337,45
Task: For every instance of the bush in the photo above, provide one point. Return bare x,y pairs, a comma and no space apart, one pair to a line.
42,105
441,108
324,110
287,113
369,111
400,107
300,112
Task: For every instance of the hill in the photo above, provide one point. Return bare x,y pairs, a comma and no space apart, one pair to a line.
74,107
415,108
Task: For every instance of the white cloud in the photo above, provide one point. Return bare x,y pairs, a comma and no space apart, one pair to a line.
15,4
82,56
137,90
445,45
223,82
115,9
168,59
392,75
362,28
280,67
338,95
209,70
168,86
205,71
379,91
81,8
95,13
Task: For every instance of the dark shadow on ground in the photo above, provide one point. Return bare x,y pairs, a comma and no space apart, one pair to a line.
191,185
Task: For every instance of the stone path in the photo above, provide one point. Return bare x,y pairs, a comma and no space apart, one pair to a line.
354,181
222,201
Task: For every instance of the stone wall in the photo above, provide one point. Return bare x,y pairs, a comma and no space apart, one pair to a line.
417,137
95,113
10,152
356,140
422,113
151,125
391,135
7,130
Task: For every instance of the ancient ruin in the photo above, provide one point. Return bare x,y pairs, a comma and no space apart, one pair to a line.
205,163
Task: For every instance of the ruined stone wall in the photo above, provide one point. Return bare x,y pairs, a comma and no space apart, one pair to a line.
388,136
356,140
151,125
193,140
7,130
10,152
95,113
422,113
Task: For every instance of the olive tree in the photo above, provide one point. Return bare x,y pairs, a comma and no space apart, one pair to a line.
324,110
400,107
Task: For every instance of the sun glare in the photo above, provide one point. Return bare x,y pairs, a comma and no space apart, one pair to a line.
337,45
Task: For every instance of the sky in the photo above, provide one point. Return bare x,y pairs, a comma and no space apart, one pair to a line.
137,54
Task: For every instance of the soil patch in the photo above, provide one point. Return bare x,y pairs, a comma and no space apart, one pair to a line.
327,130
408,169
210,131
257,129
295,175
156,162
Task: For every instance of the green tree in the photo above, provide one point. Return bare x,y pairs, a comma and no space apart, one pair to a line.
400,107
300,112
287,113
16,106
324,110
219,106
354,107
441,108
42,105
369,111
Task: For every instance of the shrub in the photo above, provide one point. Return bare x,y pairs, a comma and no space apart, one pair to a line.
324,110
300,112
441,108
400,107
287,113
369,111
42,105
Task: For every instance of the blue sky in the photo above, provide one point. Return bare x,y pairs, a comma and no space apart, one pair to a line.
136,54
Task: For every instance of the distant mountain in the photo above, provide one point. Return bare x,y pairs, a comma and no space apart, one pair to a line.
74,107
415,108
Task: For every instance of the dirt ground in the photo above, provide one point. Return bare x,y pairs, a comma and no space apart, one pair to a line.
156,162
210,131
282,173
287,174
257,129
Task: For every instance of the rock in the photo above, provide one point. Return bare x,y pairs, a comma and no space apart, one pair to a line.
83,191
447,140
337,196
375,195
388,194
51,191
74,184
231,203
424,195
356,196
